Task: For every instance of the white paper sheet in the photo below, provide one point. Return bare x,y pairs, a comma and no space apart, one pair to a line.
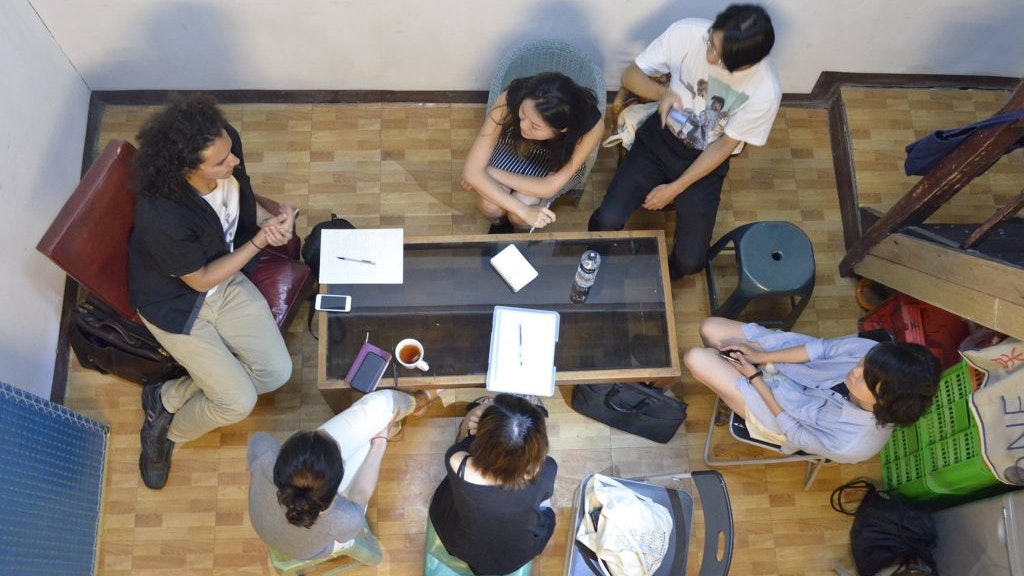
380,249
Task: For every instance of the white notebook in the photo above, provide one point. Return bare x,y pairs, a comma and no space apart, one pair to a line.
522,356
513,267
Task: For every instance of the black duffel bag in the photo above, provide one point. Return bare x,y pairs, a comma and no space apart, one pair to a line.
106,342
635,408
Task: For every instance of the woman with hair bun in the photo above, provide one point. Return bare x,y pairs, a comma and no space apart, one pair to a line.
493,509
532,148
309,495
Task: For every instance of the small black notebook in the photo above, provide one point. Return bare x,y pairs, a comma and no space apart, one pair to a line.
513,267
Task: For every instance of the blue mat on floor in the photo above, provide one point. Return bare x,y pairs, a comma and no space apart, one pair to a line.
52,464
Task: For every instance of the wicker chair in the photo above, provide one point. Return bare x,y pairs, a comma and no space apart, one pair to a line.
553,56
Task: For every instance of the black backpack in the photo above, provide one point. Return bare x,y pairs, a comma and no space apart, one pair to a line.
887,532
311,255
311,246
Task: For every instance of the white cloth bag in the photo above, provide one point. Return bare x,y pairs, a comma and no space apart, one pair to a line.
629,120
632,532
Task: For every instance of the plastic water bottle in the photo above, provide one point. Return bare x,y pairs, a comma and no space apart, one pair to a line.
585,275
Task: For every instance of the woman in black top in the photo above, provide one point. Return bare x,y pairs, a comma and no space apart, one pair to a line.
493,510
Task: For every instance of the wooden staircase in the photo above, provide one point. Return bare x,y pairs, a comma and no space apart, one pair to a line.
975,271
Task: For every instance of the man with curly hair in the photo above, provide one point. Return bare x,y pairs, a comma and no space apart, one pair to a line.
197,227
836,397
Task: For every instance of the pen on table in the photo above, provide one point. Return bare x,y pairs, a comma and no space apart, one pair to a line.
520,344
371,263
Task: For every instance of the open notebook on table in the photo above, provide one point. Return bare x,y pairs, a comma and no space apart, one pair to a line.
522,355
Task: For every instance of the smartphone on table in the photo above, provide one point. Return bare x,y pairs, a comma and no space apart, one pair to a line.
333,303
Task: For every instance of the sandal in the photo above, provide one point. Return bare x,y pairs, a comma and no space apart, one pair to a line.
481,401
536,401
722,415
396,430
423,400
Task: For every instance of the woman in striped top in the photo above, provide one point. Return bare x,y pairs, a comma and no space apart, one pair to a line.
531,149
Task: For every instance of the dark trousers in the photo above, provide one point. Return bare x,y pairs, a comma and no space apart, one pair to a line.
658,157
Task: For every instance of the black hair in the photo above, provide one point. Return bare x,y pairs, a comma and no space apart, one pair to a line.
564,105
511,441
904,378
171,143
747,35
307,474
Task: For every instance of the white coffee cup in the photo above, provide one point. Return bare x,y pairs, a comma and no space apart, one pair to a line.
409,353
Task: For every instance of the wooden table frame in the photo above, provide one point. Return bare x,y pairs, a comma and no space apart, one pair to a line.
332,388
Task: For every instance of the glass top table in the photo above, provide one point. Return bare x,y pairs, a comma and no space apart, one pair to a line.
624,332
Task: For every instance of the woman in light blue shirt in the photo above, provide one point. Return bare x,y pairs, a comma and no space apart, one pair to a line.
836,397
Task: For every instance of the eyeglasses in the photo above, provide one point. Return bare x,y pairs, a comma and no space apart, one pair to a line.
712,51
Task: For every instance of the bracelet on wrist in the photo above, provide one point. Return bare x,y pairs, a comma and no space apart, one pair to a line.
757,374
384,438
253,242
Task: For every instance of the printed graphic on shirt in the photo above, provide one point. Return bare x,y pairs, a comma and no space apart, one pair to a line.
707,106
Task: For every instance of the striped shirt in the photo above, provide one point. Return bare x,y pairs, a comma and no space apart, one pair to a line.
535,163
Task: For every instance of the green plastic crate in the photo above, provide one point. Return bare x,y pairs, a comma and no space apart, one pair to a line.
906,475
954,385
903,442
944,421
955,465
947,459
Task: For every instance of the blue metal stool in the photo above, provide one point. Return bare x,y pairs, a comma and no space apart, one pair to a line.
438,562
773,259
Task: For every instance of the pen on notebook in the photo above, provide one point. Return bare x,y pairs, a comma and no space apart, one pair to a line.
520,344
371,263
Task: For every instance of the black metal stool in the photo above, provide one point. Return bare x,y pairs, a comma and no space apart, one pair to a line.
772,259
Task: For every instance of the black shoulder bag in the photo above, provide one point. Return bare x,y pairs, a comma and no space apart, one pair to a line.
631,407
104,341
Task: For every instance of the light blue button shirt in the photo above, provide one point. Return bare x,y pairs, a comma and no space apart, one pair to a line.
814,418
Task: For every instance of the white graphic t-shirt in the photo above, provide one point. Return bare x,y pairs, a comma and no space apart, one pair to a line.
225,202
741,104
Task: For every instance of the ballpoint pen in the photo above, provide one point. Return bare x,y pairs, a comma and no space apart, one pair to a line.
371,263
520,344
544,204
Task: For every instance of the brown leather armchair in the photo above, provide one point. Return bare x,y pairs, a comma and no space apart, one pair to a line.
89,240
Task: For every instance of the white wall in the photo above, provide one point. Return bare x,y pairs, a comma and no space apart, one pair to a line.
454,44
43,109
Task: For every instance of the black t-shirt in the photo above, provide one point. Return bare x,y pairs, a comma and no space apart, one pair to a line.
170,239
493,529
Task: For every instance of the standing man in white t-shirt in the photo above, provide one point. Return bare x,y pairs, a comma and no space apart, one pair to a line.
664,165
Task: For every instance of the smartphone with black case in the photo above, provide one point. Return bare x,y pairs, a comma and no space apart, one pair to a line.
369,366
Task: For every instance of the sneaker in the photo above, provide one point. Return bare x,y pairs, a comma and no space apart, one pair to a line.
155,462
155,459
